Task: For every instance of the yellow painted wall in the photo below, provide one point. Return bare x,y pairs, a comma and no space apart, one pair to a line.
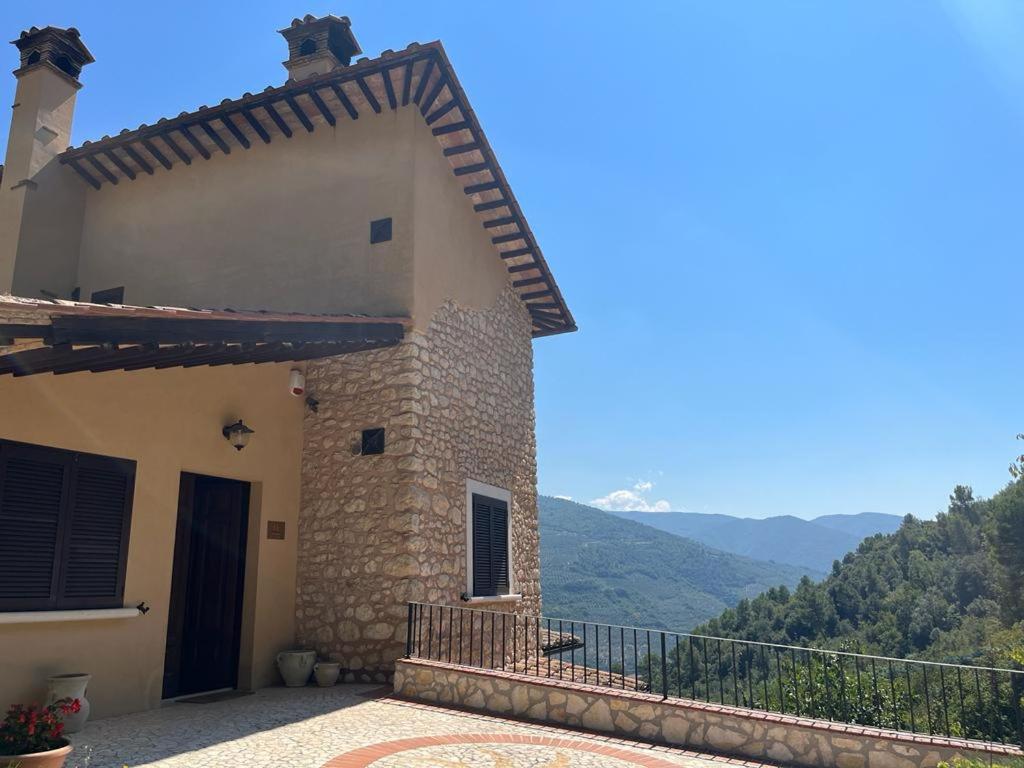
280,226
453,254
41,203
168,421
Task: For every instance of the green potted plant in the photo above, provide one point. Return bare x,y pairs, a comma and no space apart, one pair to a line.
32,736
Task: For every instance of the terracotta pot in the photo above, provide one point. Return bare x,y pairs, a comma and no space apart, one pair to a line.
53,758
296,667
326,673
70,687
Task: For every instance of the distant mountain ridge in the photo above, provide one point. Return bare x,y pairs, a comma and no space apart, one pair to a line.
599,567
863,524
813,544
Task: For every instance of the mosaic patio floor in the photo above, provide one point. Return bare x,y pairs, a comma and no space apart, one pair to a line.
350,726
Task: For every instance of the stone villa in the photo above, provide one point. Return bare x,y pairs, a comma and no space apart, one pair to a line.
265,374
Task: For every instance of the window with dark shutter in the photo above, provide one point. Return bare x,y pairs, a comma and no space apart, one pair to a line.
64,521
490,547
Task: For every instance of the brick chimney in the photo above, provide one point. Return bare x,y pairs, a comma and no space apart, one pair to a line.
44,101
317,46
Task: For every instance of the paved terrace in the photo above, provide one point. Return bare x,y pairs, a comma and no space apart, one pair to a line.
352,726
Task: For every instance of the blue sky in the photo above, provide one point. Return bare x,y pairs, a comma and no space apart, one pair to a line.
791,232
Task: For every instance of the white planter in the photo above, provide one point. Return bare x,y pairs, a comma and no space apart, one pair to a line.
296,667
326,673
70,687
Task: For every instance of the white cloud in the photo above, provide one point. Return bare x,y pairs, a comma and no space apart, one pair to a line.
560,496
632,500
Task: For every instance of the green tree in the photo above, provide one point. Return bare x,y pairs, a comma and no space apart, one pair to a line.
1017,465
1006,536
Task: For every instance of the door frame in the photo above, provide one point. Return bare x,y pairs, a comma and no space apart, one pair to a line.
178,581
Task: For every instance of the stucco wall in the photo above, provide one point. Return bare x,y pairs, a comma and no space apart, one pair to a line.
41,204
281,226
377,531
787,740
168,421
454,257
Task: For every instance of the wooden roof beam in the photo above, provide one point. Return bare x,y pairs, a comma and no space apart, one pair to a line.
345,101
215,137
428,70
389,88
490,205
466,170
137,159
368,94
535,294
256,126
115,361
428,102
80,358
104,171
526,281
84,174
406,83
234,130
159,156
31,361
176,148
502,222
546,324
121,166
114,329
300,113
461,149
322,107
515,253
441,130
26,331
441,111
282,126
197,145
486,186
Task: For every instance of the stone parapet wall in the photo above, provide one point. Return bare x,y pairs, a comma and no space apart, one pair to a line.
727,730
376,532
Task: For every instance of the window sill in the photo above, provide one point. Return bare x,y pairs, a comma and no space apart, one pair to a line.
494,599
86,614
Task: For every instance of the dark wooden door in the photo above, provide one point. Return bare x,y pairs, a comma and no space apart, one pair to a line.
205,620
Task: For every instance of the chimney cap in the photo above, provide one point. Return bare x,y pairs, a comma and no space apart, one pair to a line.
319,44
59,48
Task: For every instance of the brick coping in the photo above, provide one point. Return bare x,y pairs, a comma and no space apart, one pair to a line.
367,756
725,709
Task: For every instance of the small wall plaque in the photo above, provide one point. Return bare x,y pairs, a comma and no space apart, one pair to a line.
275,529
380,231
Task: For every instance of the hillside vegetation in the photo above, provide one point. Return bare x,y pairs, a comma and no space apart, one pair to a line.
949,589
599,567
813,544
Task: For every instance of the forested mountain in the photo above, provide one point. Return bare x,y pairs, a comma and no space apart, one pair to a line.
812,544
599,567
946,589
860,525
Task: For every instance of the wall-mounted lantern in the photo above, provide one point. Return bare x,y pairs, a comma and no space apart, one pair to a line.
237,434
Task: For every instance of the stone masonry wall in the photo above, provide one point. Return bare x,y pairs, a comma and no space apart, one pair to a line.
727,730
375,532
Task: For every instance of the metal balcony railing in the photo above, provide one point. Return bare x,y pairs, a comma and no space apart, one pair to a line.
954,700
